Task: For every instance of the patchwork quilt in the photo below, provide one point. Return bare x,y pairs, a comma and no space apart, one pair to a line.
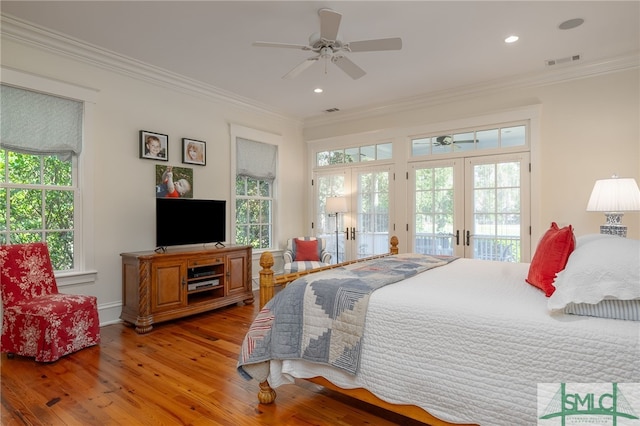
320,317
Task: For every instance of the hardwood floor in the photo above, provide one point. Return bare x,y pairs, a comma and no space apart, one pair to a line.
181,373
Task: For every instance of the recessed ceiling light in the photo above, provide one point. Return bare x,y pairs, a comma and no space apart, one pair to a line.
317,90
571,23
511,39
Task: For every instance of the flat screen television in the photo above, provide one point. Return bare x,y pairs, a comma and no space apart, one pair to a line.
182,221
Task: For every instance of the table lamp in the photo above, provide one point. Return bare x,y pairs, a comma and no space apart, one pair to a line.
613,197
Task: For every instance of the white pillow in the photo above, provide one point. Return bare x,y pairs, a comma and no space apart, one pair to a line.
604,267
584,239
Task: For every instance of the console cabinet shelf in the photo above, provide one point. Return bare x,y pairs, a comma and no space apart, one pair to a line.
159,287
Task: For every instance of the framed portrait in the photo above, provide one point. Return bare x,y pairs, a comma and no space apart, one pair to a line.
154,146
174,182
194,152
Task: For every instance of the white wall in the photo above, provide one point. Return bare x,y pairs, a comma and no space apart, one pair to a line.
589,129
124,206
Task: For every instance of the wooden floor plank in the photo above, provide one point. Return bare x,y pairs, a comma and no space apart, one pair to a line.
182,372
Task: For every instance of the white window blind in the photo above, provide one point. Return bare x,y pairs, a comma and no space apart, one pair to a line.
36,123
256,159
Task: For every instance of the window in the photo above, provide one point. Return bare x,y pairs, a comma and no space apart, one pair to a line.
446,206
256,155
476,208
37,203
41,139
382,151
477,140
254,206
434,208
368,189
480,210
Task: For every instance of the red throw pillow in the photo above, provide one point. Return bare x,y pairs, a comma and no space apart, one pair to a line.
551,257
307,250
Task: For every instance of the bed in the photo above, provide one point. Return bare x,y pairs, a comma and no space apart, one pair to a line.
471,341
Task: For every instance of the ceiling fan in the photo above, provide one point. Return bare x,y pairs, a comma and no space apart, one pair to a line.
327,45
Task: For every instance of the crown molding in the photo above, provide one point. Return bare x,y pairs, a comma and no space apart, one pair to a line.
27,33
547,77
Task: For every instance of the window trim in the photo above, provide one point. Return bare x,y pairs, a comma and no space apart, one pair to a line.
242,132
84,272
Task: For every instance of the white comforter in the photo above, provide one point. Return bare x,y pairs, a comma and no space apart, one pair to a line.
470,341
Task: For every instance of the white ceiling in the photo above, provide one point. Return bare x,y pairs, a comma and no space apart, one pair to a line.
446,45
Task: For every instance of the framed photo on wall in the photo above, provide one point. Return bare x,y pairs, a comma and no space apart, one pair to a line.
154,146
194,152
174,182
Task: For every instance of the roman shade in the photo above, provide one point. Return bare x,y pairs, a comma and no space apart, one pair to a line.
256,159
40,124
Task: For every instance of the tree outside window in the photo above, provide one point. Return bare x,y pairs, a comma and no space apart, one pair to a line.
37,203
254,220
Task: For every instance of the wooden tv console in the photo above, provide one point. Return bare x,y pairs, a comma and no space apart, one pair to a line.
162,286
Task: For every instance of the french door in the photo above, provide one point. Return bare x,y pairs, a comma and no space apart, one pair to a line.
474,207
363,230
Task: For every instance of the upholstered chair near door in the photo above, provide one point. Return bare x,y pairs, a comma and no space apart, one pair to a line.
37,321
304,253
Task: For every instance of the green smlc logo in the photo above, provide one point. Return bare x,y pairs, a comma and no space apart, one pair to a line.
609,404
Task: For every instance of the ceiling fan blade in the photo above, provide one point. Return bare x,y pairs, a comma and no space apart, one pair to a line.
394,43
329,24
346,65
300,67
285,45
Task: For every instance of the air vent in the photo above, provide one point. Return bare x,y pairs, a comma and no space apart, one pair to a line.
551,62
331,110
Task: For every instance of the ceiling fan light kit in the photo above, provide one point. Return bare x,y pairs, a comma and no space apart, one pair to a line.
328,46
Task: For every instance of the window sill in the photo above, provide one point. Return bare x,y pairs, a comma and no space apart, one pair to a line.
258,252
64,279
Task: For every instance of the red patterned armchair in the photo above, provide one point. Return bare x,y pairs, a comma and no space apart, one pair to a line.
37,321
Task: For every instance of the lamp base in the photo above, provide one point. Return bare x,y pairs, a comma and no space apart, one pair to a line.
619,230
614,225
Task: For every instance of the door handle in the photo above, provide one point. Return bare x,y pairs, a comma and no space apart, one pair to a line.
353,233
457,237
346,232
468,236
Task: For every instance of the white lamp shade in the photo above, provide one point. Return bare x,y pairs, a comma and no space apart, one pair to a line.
337,205
614,195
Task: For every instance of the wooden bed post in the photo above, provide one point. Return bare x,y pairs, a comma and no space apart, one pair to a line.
266,395
266,278
394,245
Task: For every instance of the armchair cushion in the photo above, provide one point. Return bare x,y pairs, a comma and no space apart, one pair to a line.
303,253
307,250
37,321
